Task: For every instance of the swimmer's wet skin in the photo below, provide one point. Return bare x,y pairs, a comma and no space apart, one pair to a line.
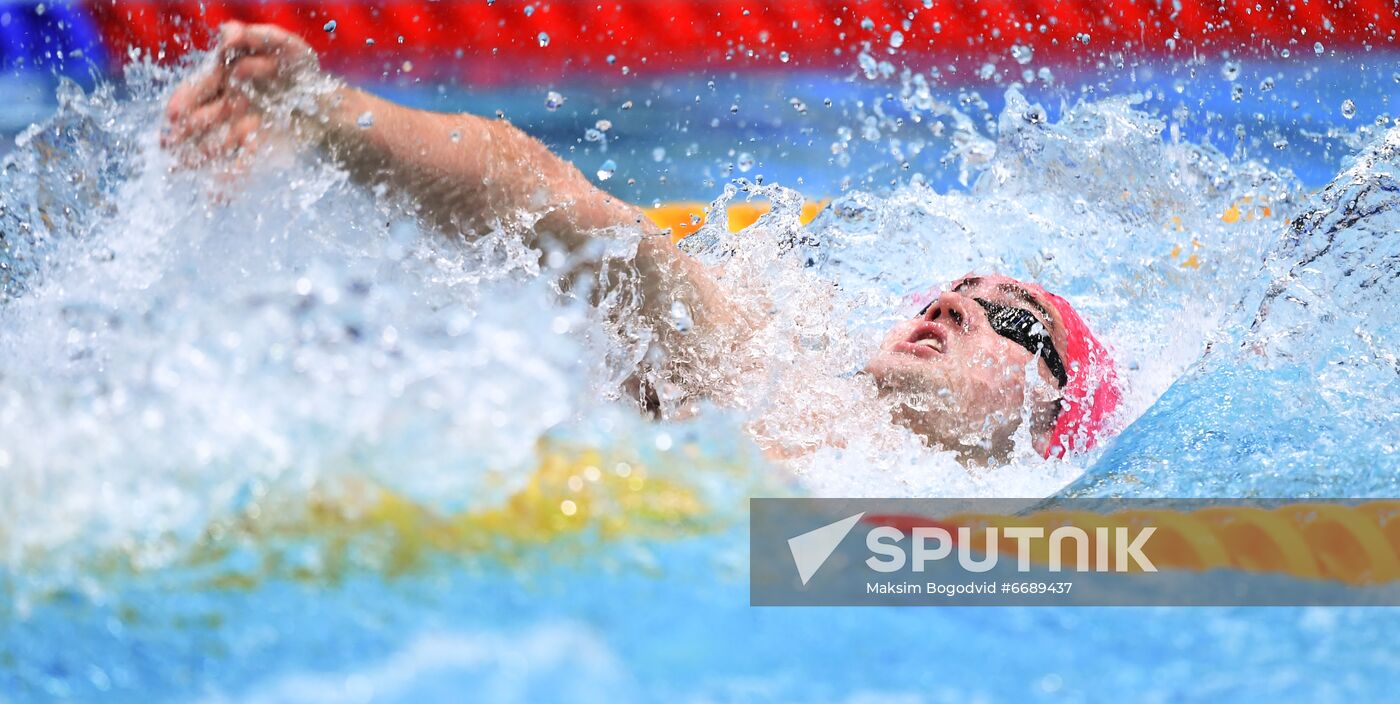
957,374
959,367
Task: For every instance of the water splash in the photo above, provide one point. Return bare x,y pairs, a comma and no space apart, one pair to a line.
185,348
1140,232
189,364
1299,398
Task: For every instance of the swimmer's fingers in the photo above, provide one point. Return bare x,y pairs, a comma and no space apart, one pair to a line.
287,51
248,54
248,132
191,123
214,131
231,148
186,110
194,92
230,132
198,121
241,136
255,70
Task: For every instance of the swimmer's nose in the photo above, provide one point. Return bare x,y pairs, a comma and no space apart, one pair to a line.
950,308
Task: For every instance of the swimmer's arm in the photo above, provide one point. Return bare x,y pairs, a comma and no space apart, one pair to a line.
466,173
470,174
491,175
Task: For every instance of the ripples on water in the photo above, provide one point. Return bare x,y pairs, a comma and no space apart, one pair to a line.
209,384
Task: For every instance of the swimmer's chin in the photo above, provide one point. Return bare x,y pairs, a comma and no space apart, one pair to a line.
917,396
897,371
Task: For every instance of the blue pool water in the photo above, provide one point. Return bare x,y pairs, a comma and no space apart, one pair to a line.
207,387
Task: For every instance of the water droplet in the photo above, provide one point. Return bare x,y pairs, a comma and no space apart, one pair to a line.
456,136
658,154
607,170
603,125
680,316
544,39
1317,47
868,65
329,26
627,105
365,120
1022,54
369,42
1267,84
744,162
798,105
783,56
896,39
529,10
1237,93
734,109
553,101
592,135
1230,71
1348,109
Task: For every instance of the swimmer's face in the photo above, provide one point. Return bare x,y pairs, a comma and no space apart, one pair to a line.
957,372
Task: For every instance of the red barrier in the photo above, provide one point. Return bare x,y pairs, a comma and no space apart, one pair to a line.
638,37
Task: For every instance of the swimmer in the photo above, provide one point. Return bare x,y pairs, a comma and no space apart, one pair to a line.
955,373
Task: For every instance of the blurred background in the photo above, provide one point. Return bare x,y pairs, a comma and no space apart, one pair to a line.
696,92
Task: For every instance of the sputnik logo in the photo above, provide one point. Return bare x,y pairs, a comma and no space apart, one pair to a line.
811,549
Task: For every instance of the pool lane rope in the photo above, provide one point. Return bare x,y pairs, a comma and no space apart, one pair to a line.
681,219
634,37
575,492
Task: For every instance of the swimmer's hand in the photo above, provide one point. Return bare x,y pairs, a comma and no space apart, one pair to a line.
465,176
224,107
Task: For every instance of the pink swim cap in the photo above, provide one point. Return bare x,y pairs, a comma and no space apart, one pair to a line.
1091,391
